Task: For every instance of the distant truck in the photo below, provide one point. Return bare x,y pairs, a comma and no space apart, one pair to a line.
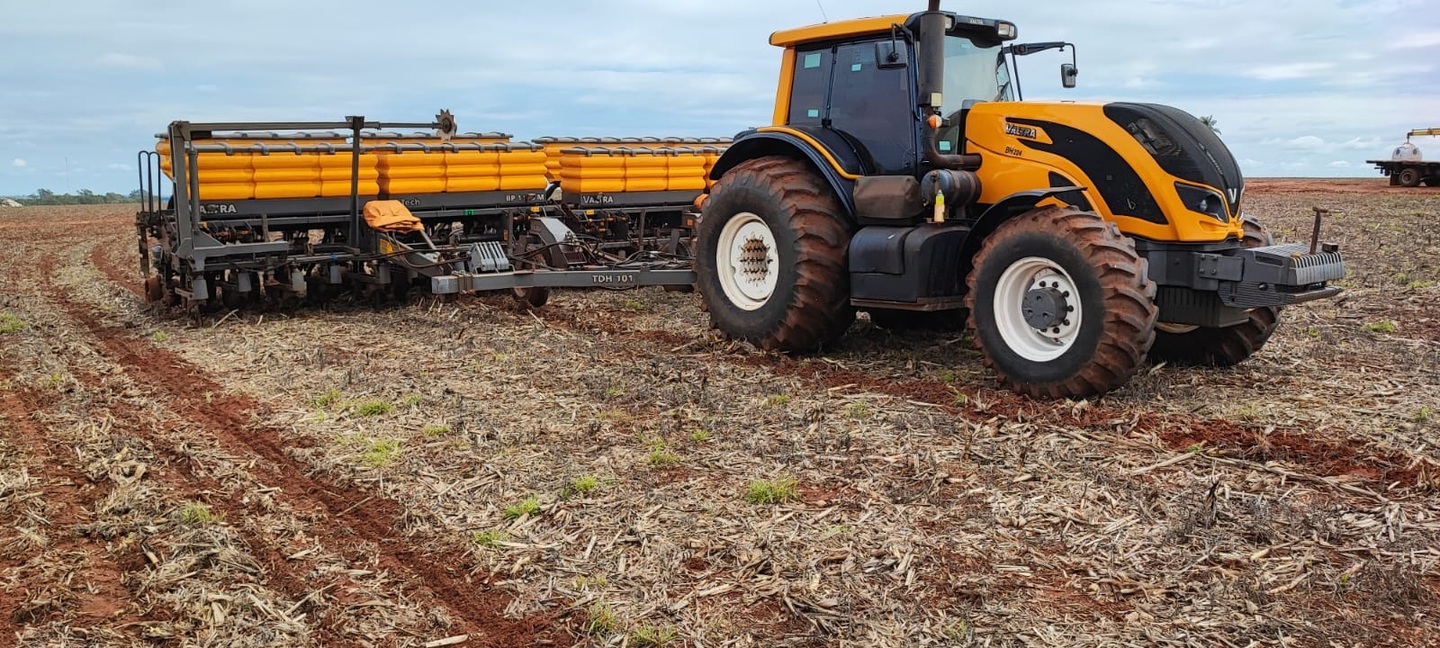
1407,167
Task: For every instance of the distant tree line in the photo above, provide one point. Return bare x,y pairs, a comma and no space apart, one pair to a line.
81,197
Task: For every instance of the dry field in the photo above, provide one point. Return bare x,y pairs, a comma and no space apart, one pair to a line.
605,472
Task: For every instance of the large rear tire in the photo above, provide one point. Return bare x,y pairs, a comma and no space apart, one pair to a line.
1060,304
1410,177
1221,347
771,259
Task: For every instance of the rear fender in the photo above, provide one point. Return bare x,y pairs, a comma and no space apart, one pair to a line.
836,162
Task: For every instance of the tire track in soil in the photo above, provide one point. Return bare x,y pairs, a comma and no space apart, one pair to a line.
476,607
1323,456
112,271
17,419
281,573
64,487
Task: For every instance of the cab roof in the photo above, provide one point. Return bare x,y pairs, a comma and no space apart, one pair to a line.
833,30
857,27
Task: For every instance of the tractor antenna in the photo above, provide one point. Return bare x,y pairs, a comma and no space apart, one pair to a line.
822,11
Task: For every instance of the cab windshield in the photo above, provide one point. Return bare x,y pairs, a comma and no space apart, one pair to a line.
972,73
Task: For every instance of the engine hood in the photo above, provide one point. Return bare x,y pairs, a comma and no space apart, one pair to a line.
1156,170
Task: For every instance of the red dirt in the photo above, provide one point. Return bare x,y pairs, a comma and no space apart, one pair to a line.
1326,456
1420,321
1378,185
111,270
478,610
833,493
1057,592
282,574
68,493
289,577
696,564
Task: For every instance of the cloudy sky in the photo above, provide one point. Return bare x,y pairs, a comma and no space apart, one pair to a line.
1299,87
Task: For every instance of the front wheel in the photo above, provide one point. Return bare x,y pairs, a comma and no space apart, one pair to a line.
1060,304
772,257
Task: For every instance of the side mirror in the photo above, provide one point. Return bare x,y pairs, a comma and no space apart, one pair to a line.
892,54
1067,74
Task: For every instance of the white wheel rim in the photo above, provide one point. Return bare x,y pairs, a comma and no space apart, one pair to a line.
1017,282
747,261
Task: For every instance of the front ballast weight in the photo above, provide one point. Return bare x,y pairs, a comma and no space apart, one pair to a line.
1216,288
1278,275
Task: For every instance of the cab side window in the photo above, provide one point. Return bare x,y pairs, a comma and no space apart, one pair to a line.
812,81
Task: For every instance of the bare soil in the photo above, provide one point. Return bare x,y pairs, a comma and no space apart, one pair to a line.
607,471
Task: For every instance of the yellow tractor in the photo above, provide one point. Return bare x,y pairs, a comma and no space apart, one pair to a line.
903,176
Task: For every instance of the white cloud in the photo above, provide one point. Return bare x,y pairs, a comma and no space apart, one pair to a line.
128,61
1417,40
1200,44
1287,71
119,167
1301,143
1340,164
1363,144
19,163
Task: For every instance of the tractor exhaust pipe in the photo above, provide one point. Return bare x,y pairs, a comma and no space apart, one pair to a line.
933,25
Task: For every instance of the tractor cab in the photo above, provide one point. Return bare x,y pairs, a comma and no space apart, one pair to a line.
854,76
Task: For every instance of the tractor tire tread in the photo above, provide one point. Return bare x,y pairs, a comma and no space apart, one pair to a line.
819,312
1129,295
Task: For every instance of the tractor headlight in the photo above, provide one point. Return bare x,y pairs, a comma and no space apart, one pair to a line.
1005,30
1204,201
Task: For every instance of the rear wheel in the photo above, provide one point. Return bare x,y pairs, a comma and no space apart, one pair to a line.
1220,347
1410,177
1060,304
772,257
530,252
533,297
